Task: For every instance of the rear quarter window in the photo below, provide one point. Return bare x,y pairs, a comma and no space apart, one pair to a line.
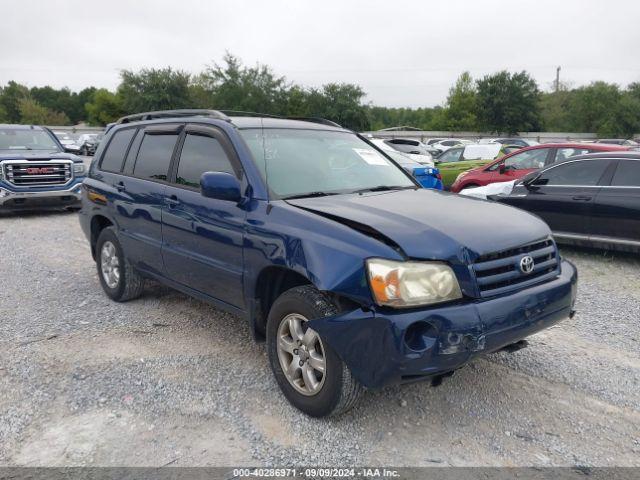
116,150
627,174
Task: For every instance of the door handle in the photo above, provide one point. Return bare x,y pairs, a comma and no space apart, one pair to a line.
582,198
172,201
119,186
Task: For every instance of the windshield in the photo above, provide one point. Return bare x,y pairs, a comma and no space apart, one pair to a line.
402,159
26,139
315,162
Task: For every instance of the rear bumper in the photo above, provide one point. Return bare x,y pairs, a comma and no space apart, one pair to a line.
25,199
392,346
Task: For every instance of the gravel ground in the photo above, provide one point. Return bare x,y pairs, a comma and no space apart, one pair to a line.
168,380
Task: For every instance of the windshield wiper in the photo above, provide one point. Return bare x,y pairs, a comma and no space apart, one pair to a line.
309,195
384,188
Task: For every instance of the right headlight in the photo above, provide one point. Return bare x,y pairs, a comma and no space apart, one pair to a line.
411,284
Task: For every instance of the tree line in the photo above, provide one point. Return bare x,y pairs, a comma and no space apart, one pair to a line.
506,102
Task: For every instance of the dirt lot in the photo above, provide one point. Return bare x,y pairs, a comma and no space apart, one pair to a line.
169,380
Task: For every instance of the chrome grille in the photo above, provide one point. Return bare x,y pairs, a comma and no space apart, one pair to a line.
28,173
500,272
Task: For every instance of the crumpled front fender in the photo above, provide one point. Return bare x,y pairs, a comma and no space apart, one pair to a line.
366,343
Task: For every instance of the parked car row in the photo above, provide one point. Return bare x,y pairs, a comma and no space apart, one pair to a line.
591,199
456,160
83,144
521,162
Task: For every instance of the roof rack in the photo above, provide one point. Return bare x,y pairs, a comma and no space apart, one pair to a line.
173,113
321,121
219,114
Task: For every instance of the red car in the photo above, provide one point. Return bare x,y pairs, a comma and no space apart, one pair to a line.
519,163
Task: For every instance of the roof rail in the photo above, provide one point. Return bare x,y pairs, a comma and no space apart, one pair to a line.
242,113
171,114
321,121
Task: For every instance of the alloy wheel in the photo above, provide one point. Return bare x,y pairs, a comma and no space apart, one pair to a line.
110,264
301,355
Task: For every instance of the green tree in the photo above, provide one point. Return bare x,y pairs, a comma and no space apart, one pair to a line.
233,86
80,100
594,108
10,100
104,107
341,103
628,115
154,89
57,100
460,110
31,112
64,100
554,110
508,103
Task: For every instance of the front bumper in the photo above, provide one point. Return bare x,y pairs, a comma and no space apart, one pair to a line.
392,346
25,199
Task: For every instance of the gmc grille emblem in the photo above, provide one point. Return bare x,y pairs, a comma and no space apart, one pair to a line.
39,170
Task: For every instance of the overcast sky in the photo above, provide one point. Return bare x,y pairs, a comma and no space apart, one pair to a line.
403,53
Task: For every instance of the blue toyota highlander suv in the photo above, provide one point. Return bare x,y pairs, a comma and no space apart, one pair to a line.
356,276
35,170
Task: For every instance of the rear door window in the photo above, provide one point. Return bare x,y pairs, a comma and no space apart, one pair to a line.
116,150
154,156
627,174
564,153
530,159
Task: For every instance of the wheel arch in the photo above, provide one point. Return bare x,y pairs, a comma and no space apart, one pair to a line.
98,223
270,283
273,281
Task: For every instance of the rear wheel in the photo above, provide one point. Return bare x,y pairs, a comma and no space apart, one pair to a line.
308,371
117,276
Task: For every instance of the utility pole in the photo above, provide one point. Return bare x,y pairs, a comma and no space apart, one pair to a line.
557,79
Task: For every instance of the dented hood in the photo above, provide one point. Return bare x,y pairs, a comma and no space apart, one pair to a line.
431,224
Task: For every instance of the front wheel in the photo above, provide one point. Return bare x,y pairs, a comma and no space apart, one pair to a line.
308,371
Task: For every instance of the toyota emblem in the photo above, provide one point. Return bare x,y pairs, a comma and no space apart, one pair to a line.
526,265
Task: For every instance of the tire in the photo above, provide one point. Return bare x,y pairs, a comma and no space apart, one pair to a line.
84,151
337,391
127,284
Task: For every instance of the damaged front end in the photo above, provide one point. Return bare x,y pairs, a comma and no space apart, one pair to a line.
383,346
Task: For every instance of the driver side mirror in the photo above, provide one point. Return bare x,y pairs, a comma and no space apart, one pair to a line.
221,186
529,182
502,168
